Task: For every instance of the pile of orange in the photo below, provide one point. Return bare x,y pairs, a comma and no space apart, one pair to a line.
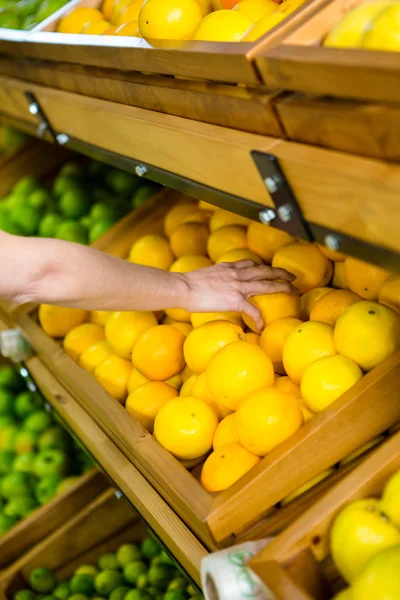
209,385
206,20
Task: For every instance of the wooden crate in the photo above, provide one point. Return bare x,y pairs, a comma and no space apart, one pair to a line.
298,61
100,527
297,564
364,412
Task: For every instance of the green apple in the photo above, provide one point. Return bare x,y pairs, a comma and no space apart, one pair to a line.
25,441
159,577
25,186
26,403
38,421
108,561
133,570
390,501
149,548
15,484
7,438
54,438
23,463
19,507
359,532
46,488
50,462
82,584
380,579
65,183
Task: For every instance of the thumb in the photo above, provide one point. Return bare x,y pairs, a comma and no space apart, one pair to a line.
254,313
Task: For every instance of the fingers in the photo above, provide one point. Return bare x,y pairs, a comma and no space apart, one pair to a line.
263,272
254,313
241,264
256,288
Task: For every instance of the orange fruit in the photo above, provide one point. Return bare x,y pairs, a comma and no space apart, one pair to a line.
129,12
99,317
273,339
200,389
263,26
363,278
226,433
368,332
186,328
222,26
232,237
184,265
331,254
256,9
153,251
326,379
201,318
253,338
57,321
96,28
389,293
222,218
329,308
285,384
124,328
76,20
339,277
186,373
158,353
186,426
128,29
265,240
236,371
273,307
175,216
307,342
241,254
190,239
200,216
308,300
187,388
204,342
135,380
107,9
113,375
225,466
145,401
94,355
306,261
81,338
169,19
267,418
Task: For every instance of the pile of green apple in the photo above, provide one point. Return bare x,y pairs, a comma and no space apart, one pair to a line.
365,546
26,14
38,458
131,573
84,201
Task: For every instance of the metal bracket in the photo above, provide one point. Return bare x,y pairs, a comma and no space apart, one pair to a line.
44,126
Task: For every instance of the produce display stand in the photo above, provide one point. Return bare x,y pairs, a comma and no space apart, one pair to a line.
297,564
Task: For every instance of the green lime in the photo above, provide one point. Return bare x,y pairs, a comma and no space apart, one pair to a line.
26,218
15,484
25,186
38,421
99,229
6,402
10,379
14,201
138,595
24,595
20,507
24,462
62,591
119,593
133,570
25,441
179,594
103,211
48,7
122,182
6,420
42,580
6,523
159,577
179,583
40,199
150,548
108,561
65,485
54,438
49,224
127,553
70,231
73,169
46,488
7,437
86,570
107,581
51,462
74,204
82,584
26,403
143,193
6,462
65,183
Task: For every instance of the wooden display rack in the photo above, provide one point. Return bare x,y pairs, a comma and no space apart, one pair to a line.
297,565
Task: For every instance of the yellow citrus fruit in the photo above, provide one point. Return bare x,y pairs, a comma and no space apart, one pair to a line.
225,466
273,339
223,26
186,426
202,205
158,353
308,300
329,308
253,338
306,343
363,278
285,384
273,307
306,261
339,278
176,215
187,388
190,239
241,254
263,26
350,29
389,293
57,321
152,251
267,418
113,375
96,28
186,328
237,370
117,7
128,29
200,216
124,328
226,432
145,401
368,332
265,240
76,20
231,237
222,218
326,379
169,19
201,318
200,389
81,338
135,380
184,265
256,9
382,32
186,373
107,9
331,254
129,12
94,355
204,342
99,317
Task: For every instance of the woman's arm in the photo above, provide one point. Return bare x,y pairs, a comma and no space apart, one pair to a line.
57,272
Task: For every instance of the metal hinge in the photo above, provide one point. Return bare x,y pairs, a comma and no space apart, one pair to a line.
44,125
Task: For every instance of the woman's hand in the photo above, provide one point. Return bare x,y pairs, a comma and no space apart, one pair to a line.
228,287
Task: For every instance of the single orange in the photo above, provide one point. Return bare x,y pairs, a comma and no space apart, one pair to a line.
57,321
81,338
363,278
124,328
308,300
76,20
222,218
128,29
226,432
204,342
96,28
158,353
144,402
190,239
151,250
200,216
306,261
175,216
94,355
329,308
273,339
285,384
231,237
265,240
225,466
113,375
273,307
